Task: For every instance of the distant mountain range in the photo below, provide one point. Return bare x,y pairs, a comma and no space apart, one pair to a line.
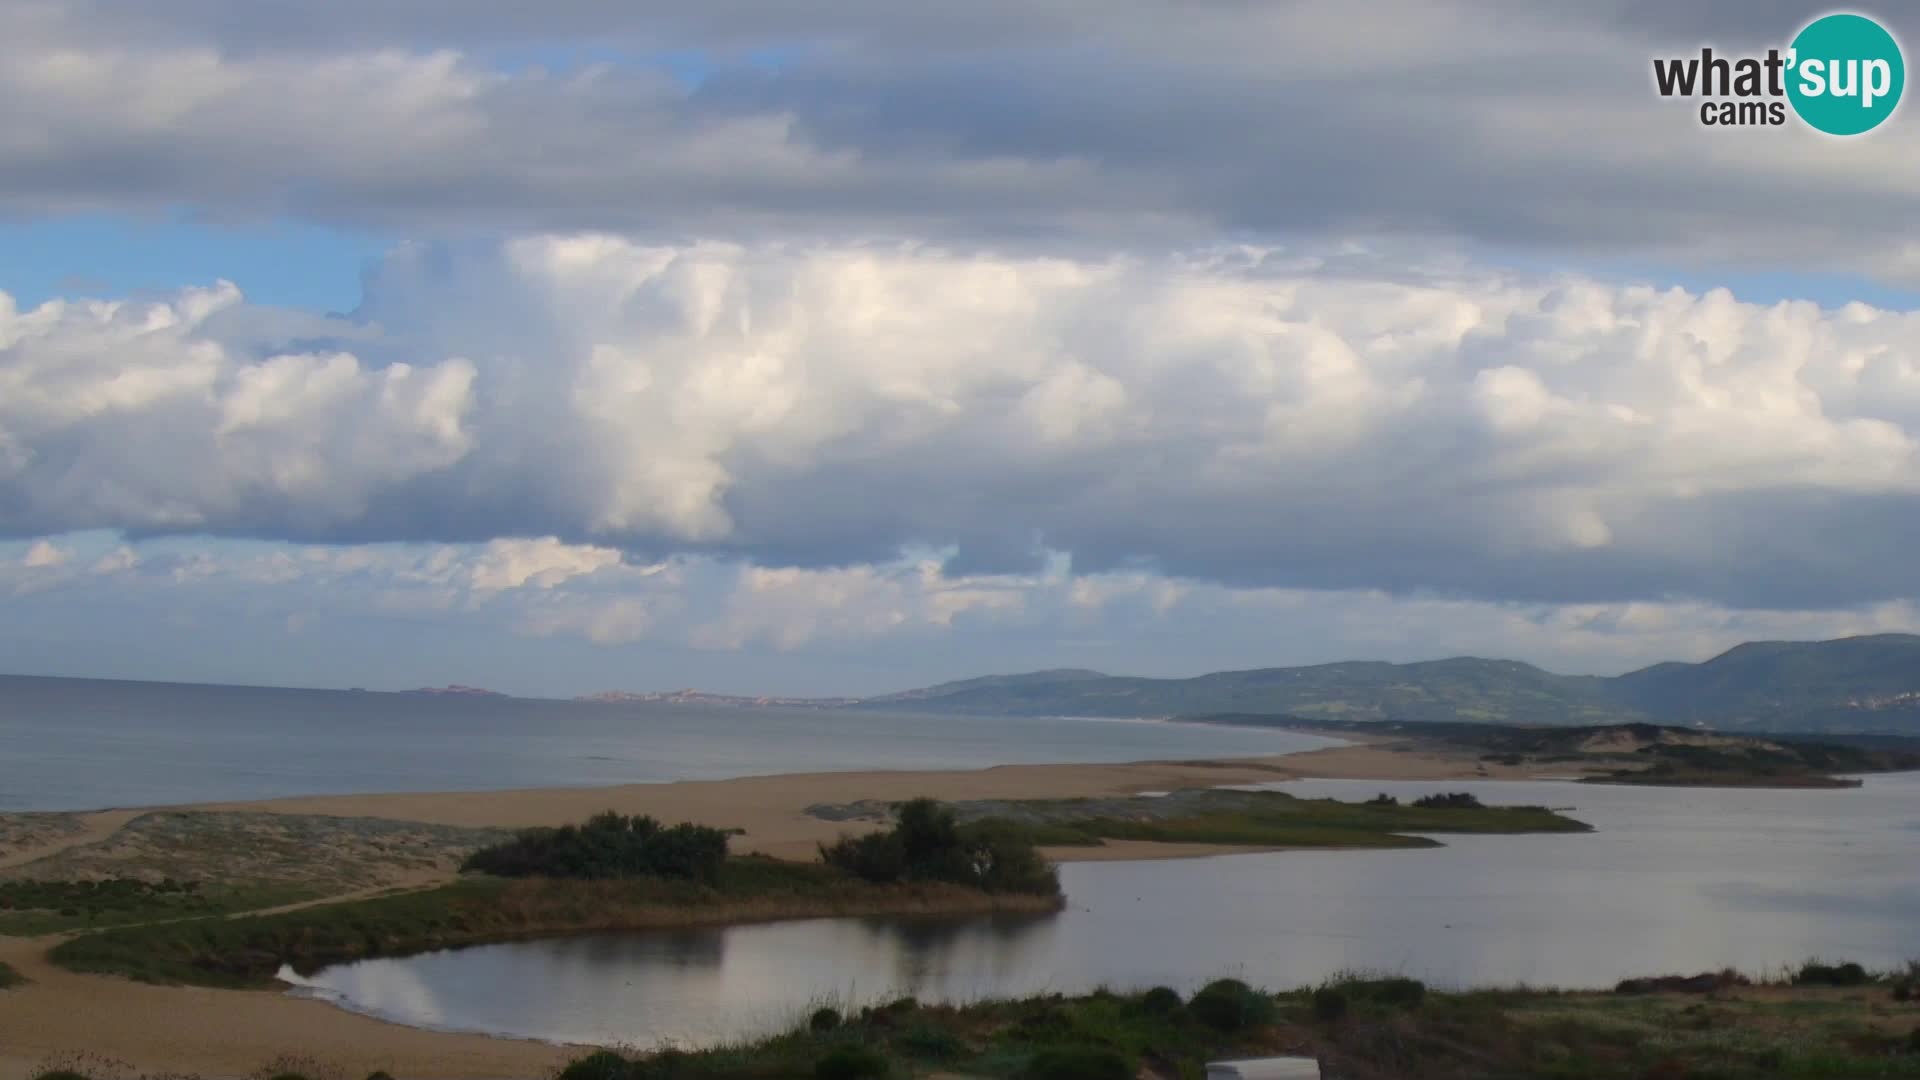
701,697
1858,684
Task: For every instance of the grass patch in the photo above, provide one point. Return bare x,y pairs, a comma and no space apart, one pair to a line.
35,908
1257,819
248,951
9,978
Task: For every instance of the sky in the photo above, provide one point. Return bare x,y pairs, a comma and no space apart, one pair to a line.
851,347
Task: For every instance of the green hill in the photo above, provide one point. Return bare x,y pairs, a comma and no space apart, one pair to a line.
1858,684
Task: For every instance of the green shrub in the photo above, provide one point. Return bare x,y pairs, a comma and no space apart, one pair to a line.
1903,991
823,1020
1160,1001
379,1074
600,1065
1393,991
927,843
1455,800
1229,1005
875,857
850,1063
931,1043
1814,973
60,1074
1047,1024
1329,1004
1078,1063
609,845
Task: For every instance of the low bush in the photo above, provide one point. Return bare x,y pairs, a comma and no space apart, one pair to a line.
927,843
1704,983
1393,991
850,1062
1078,1063
1160,1001
823,1020
1457,800
1229,1005
931,1043
609,845
1330,1004
1815,973
601,1065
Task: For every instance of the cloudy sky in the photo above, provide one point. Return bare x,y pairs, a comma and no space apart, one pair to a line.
847,347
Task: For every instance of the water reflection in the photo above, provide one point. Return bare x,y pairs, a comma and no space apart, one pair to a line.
1672,880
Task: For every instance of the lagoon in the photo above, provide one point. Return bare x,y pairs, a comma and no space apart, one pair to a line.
1672,880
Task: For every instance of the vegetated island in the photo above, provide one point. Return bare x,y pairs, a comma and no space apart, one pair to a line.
1649,754
1216,816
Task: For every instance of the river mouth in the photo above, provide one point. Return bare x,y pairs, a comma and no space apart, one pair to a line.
1671,880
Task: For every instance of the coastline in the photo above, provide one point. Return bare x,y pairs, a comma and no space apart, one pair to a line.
230,1033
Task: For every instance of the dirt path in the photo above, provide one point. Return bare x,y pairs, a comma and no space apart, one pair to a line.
96,827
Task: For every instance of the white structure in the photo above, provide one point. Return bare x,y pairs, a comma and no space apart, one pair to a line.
1273,1068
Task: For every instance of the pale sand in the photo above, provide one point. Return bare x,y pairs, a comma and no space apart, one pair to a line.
772,809
96,827
224,1033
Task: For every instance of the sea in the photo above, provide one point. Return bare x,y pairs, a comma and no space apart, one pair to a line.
80,744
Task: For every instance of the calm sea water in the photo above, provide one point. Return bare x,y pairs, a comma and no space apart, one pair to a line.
82,744
1674,880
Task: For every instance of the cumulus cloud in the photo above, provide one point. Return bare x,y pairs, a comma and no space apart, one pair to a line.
1058,120
149,416
543,562
1257,417
44,555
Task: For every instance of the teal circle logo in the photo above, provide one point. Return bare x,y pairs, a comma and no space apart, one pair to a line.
1845,74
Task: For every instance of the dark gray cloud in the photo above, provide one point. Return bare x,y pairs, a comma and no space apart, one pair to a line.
1096,125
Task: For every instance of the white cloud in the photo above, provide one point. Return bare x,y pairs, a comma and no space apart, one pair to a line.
45,555
145,415
118,560
542,563
1253,417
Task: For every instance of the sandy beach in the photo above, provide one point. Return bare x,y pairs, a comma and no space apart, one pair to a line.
222,1033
